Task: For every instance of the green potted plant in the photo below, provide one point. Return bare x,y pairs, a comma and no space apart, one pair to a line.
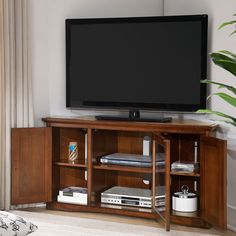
226,60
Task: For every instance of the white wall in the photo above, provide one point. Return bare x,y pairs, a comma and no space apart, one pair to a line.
48,43
219,11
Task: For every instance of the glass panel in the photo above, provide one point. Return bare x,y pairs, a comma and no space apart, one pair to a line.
161,180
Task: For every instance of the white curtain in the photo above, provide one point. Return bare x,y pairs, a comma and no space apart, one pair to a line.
15,83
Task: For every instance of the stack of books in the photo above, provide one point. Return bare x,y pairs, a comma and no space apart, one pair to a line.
132,160
73,195
184,166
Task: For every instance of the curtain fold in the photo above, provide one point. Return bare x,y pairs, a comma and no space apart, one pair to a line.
2,107
16,93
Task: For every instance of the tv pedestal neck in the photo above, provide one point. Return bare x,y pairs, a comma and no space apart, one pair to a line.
134,115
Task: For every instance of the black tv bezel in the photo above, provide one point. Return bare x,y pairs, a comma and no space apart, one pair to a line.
140,106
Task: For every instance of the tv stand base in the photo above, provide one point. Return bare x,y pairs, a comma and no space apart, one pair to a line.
117,118
134,115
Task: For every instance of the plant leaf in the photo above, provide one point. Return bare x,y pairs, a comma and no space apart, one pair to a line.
208,111
229,53
230,88
221,56
227,23
233,32
227,98
228,65
224,61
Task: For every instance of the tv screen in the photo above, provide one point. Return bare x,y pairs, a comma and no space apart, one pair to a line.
137,63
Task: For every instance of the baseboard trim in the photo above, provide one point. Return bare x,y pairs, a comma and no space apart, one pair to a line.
231,206
231,217
230,227
23,206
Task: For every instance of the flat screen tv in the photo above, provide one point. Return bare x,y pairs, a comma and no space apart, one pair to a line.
137,63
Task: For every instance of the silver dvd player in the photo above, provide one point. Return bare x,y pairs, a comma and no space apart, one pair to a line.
127,196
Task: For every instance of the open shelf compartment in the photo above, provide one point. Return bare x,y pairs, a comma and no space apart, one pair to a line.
66,174
124,142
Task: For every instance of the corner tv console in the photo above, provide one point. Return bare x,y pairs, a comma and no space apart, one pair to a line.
40,166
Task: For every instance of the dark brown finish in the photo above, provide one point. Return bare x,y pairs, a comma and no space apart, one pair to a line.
175,140
188,219
176,126
71,177
68,135
123,168
177,181
70,165
55,158
167,184
31,165
100,209
90,158
179,173
213,181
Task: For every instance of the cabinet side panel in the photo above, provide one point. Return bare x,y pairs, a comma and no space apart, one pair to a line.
213,181
31,165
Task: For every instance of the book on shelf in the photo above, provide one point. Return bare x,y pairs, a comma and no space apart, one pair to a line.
184,166
132,160
73,195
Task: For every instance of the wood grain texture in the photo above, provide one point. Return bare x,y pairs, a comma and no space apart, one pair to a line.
100,209
176,126
179,173
31,165
90,165
213,171
123,168
104,142
49,146
68,135
191,220
71,177
66,164
131,142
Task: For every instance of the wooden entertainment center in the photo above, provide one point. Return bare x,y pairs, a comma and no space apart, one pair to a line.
40,166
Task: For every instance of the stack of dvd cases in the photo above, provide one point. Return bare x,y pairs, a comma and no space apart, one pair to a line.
73,195
132,160
184,166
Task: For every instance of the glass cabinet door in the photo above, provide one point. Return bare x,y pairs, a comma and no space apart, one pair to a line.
161,179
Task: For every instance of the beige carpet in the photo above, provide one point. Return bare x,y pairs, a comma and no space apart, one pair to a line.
63,225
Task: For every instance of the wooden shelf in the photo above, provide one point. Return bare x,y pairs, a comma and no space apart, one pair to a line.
178,173
65,164
195,214
123,168
188,219
98,207
126,208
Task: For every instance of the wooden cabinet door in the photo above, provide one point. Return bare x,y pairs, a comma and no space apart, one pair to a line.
31,165
213,174
161,179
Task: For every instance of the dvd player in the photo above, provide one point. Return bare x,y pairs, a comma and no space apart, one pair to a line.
128,196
